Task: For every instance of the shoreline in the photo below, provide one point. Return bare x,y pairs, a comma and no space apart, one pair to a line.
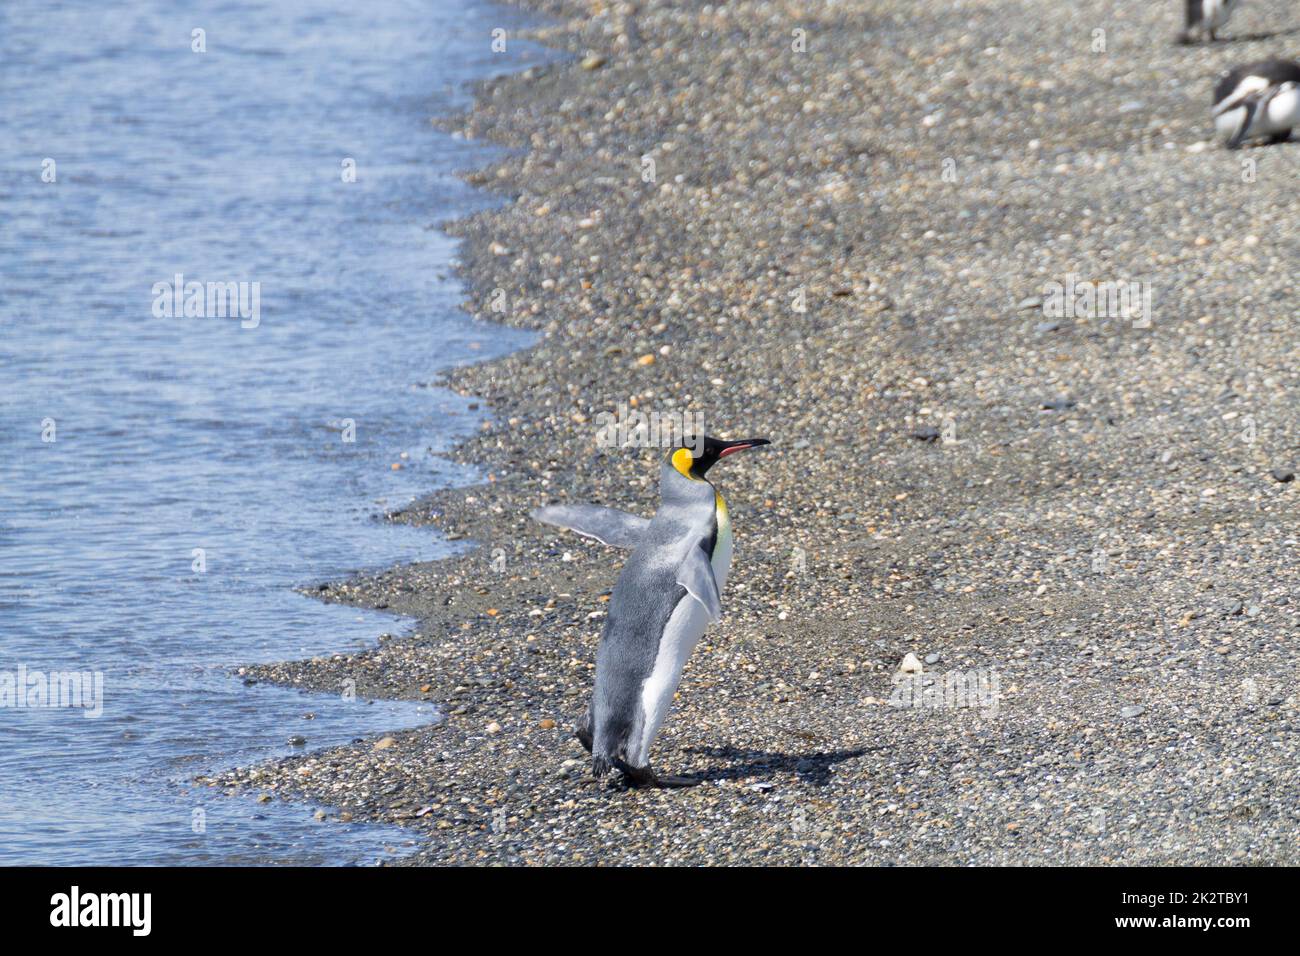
1062,540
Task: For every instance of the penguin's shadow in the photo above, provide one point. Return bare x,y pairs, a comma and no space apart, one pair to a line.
1258,37
813,768
1180,40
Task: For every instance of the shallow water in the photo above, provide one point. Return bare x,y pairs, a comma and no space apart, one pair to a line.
166,480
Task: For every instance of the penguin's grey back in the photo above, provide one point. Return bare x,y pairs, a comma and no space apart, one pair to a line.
643,600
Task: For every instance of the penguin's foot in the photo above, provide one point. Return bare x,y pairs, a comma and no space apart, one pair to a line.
646,777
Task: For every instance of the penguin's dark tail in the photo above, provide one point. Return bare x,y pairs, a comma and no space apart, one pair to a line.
600,765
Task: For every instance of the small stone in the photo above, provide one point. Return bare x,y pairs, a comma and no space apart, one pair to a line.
494,728
1132,710
910,664
547,724
593,61
385,743
1283,475
932,658
926,434
297,740
647,359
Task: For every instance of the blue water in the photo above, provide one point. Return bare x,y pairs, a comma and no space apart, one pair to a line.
167,480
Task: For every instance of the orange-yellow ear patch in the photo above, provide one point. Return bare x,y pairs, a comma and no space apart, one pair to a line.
683,460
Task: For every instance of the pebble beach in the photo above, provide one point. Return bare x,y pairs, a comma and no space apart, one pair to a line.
1017,582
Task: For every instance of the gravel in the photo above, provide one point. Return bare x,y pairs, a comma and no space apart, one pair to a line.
841,250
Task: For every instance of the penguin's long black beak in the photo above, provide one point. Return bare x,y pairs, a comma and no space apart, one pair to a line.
741,445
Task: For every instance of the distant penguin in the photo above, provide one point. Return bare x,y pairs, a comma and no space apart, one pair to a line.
668,592
1260,101
1204,17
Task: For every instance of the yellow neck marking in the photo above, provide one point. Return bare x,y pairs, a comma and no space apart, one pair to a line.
683,462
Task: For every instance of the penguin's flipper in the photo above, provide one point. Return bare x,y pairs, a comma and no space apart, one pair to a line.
1247,117
583,731
695,573
618,529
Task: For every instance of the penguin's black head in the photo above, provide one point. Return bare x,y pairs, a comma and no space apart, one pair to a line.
695,459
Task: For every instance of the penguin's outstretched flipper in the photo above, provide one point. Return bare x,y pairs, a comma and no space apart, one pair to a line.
696,574
618,529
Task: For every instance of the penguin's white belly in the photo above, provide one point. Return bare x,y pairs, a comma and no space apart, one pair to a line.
1216,13
1225,124
722,547
1284,110
686,625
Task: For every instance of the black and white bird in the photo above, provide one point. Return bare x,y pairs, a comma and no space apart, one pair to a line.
1259,101
670,589
1204,18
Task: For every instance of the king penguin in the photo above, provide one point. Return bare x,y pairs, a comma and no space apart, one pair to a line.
1258,101
1204,18
669,591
